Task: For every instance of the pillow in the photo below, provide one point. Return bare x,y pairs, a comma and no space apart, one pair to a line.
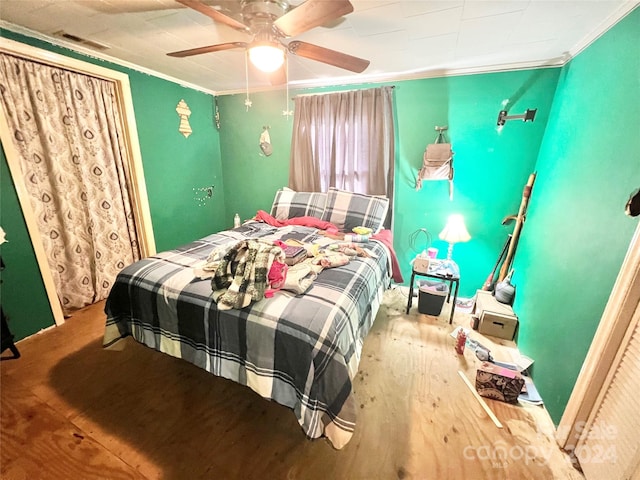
347,210
291,204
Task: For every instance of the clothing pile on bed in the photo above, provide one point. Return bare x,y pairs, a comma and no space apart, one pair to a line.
241,276
250,270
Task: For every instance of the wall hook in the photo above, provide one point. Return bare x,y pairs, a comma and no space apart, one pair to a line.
440,137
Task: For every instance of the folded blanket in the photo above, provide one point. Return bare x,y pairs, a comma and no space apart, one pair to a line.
386,237
313,222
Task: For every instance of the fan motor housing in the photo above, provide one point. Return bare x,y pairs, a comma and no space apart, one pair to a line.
270,10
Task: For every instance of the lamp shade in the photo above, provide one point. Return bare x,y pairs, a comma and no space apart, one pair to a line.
455,231
267,57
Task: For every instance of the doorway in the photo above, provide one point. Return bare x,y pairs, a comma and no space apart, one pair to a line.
132,164
600,423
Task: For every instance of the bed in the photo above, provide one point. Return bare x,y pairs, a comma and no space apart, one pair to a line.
300,350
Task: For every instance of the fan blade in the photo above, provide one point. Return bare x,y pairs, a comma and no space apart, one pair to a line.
310,14
331,57
209,49
334,23
214,14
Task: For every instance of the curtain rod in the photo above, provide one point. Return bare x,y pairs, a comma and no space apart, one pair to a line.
340,91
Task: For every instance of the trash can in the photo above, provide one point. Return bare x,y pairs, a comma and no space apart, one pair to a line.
431,297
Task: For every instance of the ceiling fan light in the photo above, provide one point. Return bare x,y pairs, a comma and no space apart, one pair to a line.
267,58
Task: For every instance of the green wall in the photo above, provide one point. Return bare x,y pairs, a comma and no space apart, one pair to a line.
491,166
22,295
250,177
173,166
576,232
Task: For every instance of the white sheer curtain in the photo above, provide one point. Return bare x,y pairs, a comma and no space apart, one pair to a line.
344,140
67,128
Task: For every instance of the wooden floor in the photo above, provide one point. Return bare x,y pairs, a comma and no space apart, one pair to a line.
73,410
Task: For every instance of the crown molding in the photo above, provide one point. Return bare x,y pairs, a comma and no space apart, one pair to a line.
402,76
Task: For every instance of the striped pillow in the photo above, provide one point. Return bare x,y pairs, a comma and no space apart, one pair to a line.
291,204
347,210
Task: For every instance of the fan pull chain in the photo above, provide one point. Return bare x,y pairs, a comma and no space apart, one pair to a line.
247,101
287,112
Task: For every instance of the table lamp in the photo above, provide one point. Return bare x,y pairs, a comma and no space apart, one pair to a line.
454,231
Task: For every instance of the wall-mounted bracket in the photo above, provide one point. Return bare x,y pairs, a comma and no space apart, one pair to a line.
529,115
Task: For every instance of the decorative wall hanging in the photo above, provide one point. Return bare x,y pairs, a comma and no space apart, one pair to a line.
202,194
184,112
216,115
265,141
437,162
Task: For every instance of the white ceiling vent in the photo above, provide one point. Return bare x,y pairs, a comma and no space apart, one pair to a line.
83,41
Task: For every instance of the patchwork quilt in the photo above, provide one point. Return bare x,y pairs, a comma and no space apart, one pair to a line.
301,351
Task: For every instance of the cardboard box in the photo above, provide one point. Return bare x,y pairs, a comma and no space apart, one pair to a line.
421,264
494,318
498,324
499,383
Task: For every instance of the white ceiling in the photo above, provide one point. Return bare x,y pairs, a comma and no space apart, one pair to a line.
402,38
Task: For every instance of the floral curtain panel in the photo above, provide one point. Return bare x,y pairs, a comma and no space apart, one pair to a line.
66,128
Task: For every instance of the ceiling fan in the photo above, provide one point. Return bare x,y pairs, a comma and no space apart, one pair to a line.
272,21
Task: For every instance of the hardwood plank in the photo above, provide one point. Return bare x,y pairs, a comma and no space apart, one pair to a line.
165,418
39,443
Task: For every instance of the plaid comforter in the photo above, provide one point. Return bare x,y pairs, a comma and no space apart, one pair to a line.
301,351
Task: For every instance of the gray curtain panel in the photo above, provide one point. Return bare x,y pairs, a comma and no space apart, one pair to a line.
344,140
